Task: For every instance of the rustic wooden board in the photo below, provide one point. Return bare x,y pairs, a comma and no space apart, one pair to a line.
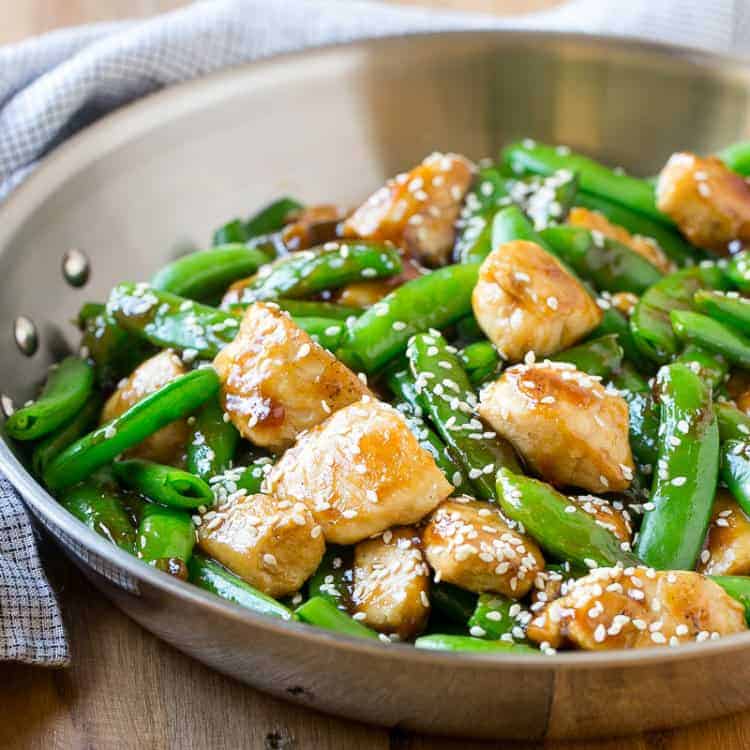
126,689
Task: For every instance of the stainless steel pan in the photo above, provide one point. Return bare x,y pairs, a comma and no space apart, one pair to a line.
155,178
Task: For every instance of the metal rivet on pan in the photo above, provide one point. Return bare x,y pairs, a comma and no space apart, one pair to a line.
27,338
76,267
6,405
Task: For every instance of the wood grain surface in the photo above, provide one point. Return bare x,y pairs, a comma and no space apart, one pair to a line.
125,688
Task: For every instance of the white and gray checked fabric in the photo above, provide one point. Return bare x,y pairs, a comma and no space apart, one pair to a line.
53,86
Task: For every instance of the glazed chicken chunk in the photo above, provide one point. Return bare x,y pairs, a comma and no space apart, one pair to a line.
526,301
391,583
277,382
601,226
168,444
360,472
637,608
570,430
708,202
273,545
611,516
727,549
469,543
418,210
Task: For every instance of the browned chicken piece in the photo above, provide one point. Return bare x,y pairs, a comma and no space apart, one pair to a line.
548,586
611,516
360,472
166,446
646,247
709,203
418,210
569,429
391,583
637,608
314,225
273,545
738,387
743,402
470,544
525,301
727,547
277,382
625,302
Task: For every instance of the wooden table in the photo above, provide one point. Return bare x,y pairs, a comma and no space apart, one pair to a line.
126,689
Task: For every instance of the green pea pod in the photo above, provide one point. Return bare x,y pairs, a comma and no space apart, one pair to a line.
332,578
303,308
668,239
114,351
511,224
210,576
643,420
67,389
434,300
627,378
733,423
651,324
495,617
54,444
686,472
213,442
601,356
162,484
481,361
440,642
310,272
735,470
100,507
323,614
737,157
166,320
638,195
710,334
468,330
205,275
738,271
174,401
164,534
267,220
561,528
607,264
328,332
546,200
454,603
447,396
248,478
726,307
738,587
711,368
613,321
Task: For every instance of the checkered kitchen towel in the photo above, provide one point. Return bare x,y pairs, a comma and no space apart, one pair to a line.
52,86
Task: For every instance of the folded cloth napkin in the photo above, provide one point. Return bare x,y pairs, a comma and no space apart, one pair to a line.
54,85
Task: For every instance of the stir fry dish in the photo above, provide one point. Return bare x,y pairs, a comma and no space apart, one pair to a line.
501,408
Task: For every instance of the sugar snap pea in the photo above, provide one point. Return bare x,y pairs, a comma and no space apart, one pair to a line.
738,587
322,613
432,301
454,603
175,400
496,617
328,332
165,485
302,308
600,356
561,528
710,367
685,475
481,361
726,307
511,224
213,441
735,470
205,274
737,157
733,423
712,335
448,398
529,157
440,642
209,575
332,578
164,534
69,385
738,271
268,219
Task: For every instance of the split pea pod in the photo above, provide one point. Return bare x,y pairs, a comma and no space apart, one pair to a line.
322,613
210,576
726,307
69,384
269,219
213,441
162,484
448,398
735,470
560,527
526,157
204,275
432,301
712,335
440,642
174,401
685,475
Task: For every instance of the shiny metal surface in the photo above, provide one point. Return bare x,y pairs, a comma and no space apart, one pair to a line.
76,267
26,336
156,178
